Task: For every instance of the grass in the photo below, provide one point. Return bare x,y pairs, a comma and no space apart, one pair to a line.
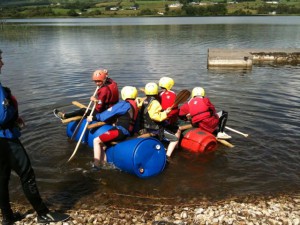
100,8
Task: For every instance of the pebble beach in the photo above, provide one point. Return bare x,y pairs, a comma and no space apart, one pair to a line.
249,210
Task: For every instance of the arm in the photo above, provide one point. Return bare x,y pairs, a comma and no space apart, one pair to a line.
102,96
116,110
139,101
184,111
211,107
155,113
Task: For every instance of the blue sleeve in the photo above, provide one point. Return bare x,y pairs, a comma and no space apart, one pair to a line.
118,109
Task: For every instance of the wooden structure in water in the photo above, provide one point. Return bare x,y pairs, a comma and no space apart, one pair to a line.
246,58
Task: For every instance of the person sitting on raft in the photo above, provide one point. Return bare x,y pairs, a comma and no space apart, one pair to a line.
107,96
123,115
152,117
203,114
167,99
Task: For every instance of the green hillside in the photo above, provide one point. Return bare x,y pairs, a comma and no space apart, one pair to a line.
127,8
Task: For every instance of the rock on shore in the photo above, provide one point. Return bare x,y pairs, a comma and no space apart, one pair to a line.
250,210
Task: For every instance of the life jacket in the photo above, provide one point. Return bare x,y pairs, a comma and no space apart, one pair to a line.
202,115
198,109
8,114
114,92
128,119
167,99
8,108
145,121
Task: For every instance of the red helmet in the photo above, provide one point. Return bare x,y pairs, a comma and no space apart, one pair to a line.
100,75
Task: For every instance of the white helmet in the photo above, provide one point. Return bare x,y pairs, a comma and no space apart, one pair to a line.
129,92
151,89
166,82
198,91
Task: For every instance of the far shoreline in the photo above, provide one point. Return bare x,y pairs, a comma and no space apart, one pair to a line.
2,20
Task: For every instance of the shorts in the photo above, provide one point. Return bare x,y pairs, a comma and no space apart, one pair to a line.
113,134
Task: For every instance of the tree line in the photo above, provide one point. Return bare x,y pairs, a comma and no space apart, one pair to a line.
89,9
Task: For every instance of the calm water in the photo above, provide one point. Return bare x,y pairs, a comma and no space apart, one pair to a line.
48,64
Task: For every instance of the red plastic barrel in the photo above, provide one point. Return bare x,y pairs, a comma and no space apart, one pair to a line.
199,141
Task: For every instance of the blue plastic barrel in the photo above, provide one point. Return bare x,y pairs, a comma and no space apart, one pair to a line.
144,157
71,128
95,132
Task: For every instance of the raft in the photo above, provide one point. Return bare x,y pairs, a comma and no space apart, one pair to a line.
143,157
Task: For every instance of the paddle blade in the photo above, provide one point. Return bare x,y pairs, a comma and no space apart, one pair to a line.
182,96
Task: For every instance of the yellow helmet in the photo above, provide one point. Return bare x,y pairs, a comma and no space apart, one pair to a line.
129,92
151,89
166,82
198,91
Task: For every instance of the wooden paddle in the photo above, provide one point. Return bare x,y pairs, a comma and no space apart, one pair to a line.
81,136
226,143
181,97
84,115
236,131
75,118
78,104
146,135
94,125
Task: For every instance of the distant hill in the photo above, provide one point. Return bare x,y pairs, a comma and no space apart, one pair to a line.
129,8
22,2
40,2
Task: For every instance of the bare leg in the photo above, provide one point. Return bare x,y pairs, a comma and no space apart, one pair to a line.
171,148
178,133
103,154
172,145
97,151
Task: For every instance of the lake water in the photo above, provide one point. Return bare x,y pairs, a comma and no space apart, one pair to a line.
49,62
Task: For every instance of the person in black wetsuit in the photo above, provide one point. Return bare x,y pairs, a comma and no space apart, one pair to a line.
13,156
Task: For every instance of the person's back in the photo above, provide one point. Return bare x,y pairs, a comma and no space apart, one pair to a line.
152,117
203,113
167,98
123,115
129,118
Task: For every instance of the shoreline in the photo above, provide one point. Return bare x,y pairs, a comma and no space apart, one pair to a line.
251,209
3,19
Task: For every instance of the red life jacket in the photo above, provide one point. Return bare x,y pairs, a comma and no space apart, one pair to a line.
133,114
203,114
167,99
114,92
107,95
